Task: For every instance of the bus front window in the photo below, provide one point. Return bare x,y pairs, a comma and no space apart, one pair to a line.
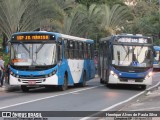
36,54
136,56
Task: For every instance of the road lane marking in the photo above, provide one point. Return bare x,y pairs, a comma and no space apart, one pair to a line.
122,102
22,103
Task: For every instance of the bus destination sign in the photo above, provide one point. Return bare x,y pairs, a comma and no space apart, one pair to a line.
132,40
32,37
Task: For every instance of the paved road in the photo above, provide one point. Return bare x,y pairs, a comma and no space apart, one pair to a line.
93,97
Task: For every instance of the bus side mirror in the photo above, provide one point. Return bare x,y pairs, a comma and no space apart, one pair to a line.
7,47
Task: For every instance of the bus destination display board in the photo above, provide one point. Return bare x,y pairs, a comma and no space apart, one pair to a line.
32,37
140,40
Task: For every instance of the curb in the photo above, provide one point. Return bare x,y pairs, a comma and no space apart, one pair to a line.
2,89
129,101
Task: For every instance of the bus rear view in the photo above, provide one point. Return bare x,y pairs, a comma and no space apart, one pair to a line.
130,60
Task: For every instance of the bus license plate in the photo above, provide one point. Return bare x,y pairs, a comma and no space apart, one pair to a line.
31,82
131,81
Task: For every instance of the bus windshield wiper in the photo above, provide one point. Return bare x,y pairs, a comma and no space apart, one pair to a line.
25,47
40,47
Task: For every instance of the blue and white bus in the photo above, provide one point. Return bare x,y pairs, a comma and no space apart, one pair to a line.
156,62
50,59
126,59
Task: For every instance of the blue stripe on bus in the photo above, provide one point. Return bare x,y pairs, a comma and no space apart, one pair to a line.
155,62
131,75
156,48
34,73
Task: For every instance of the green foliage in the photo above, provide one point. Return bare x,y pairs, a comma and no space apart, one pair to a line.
26,15
6,58
114,18
157,42
146,19
90,2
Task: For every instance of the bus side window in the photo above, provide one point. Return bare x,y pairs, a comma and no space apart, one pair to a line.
89,51
76,50
59,49
92,51
71,49
66,49
85,51
80,50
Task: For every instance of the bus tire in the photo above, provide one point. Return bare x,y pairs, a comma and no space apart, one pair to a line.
83,84
101,81
24,88
65,84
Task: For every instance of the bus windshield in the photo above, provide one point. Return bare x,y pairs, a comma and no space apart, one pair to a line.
135,56
35,54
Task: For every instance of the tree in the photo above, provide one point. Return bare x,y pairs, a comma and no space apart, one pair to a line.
26,15
100,2
146,18
114,18
80,22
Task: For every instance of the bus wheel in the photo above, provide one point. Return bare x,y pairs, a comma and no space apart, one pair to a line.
24,88
65,84
83,84
101,81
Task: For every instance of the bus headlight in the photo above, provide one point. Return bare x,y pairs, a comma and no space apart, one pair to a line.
17,76
12,74
149,75
114,74
50,75
54,72
46,76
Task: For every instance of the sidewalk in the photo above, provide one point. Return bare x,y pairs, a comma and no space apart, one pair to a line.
148,102
9,88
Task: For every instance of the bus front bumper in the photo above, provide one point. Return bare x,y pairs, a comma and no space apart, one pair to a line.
116,80
53,80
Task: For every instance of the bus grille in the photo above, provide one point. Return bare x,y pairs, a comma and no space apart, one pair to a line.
36,81
31,77
123,79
